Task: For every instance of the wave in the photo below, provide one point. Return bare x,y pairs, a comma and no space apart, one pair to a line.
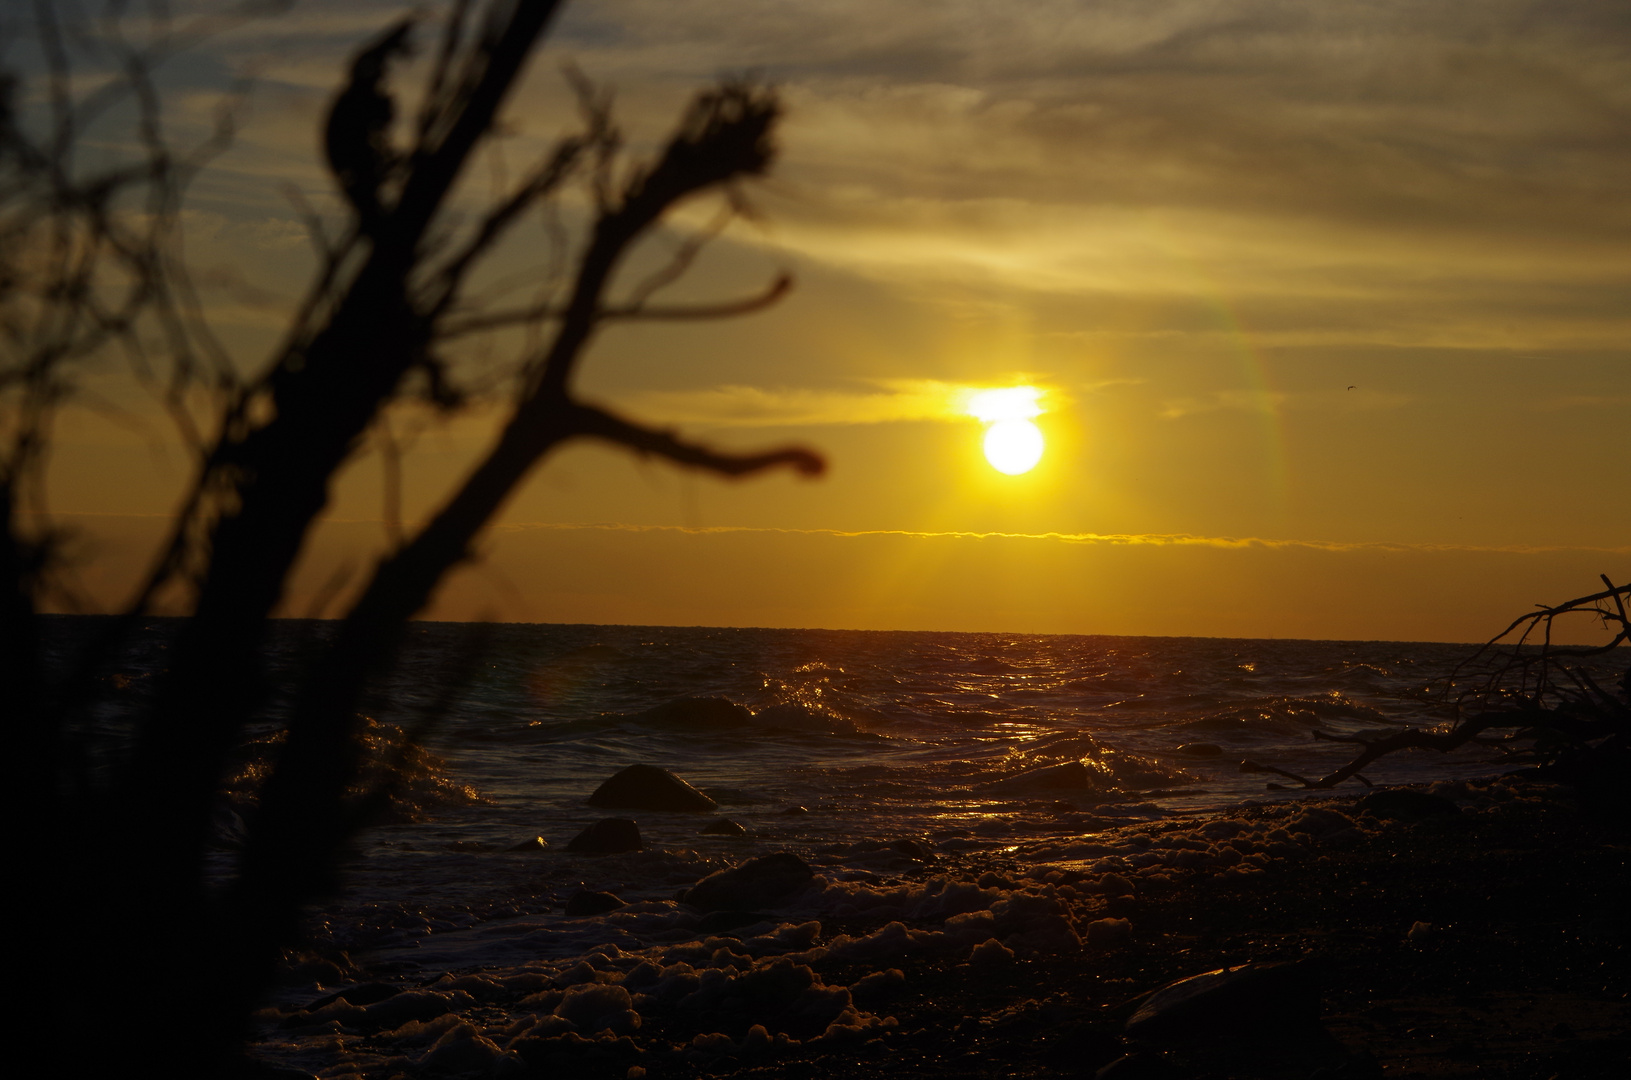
1280,717
416,780
711,714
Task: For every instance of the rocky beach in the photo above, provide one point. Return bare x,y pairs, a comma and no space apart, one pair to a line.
1461,929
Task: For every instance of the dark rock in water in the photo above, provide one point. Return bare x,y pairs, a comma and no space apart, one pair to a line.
756,883
912,850
1072,775
724,827
537,843
795,810
646,787
1200,750
1253,1003
1403,804
607,836
720,922
585,902
699,712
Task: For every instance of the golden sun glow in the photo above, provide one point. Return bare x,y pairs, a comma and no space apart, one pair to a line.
1013,444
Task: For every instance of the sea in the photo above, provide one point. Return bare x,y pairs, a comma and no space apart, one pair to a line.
926,778
810,738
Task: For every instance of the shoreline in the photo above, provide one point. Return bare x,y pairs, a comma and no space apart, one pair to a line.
1522,971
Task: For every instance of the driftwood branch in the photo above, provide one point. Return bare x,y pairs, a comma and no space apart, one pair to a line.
1547,706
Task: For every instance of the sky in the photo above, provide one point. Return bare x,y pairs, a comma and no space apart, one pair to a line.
1328,306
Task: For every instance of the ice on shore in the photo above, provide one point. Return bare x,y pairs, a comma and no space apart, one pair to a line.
498,997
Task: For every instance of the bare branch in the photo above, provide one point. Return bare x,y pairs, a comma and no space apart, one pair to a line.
546,177
1552,706
600,424
680,312
681,260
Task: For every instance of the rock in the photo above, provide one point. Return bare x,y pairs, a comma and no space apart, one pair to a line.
724,827
537,843
1251,1003
1405,804
793,811
1200,750
1419,932
464,1050
646,787
1072,775
1115,885
1119,907
991,953
1319,821
595,1007
1109,933
586,902
756,883
912,849
608,836
878,987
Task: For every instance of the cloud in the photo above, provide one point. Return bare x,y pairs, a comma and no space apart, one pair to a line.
894,401
1390,173
1268,401
1100,539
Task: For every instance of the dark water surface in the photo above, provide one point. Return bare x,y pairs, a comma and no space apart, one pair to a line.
877,735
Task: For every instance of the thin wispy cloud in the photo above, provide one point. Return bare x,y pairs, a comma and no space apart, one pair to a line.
1353,400
888,401
1162,540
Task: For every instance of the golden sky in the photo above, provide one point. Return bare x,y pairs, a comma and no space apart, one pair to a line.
1330,305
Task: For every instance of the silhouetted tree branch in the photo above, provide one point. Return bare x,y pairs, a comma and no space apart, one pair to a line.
92,261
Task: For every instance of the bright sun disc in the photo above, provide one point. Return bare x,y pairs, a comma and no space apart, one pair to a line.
1013,446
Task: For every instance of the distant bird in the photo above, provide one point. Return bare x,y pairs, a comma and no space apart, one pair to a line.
357,139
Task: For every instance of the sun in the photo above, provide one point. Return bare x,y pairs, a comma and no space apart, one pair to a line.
1013,444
